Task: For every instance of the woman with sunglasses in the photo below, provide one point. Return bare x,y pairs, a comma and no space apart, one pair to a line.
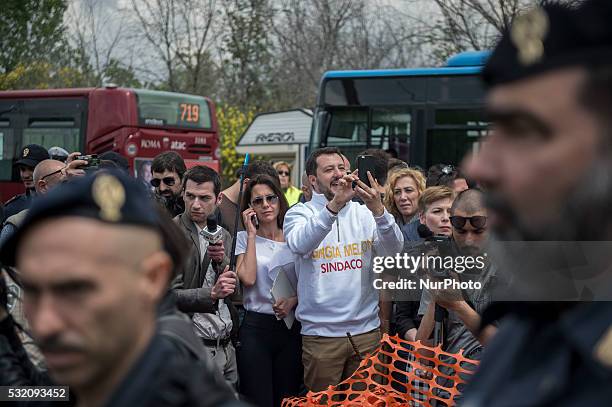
269,359
402,193
292,194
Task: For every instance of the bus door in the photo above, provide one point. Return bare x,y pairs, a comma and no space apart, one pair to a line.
391,128
455,132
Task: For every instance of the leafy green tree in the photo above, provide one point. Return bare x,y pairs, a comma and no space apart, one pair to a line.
31,30
247,52
115,72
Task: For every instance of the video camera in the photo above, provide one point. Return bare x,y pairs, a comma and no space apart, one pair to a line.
439,246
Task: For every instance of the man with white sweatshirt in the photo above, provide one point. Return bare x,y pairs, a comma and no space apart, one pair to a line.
335,240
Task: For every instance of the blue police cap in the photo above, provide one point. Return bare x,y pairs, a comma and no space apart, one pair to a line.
107,196
552,37
32,154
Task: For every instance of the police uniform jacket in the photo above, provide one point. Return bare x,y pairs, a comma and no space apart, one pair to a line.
546,354
17,204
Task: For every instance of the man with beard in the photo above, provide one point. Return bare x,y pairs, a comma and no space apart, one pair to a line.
94,269
470,235
167,170
31,155
547,167
335,240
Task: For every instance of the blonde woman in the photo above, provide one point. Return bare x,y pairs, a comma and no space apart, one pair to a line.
292,194
434,209
402,193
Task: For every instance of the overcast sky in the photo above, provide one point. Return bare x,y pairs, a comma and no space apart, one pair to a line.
111,16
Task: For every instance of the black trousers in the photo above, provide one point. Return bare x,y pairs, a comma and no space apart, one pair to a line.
269,359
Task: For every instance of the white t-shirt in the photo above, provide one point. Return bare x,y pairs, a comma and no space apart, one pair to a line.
257,298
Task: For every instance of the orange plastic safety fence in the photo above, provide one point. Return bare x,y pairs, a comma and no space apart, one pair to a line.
398,373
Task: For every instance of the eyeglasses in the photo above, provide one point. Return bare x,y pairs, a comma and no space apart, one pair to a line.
477,222
170,181
53,173
285,173
271,199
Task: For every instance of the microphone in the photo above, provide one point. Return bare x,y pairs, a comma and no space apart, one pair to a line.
424,232
213,234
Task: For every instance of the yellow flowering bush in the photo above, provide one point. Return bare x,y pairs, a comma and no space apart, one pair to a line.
232,123
41,75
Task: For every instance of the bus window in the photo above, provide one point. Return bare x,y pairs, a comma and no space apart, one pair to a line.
6,155
455,89
373,91
348,127
391,128
49,133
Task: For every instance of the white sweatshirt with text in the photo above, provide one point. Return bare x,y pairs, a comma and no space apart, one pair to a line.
334,265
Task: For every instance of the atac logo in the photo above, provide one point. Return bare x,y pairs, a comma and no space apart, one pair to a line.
275,137
178,145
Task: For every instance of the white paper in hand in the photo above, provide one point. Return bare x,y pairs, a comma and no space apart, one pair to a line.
282,288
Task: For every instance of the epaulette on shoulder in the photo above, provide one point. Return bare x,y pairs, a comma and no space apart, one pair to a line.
12,199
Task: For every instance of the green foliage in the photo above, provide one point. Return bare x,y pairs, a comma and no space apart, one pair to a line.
246,67
232,123
115,72
41,75
31,30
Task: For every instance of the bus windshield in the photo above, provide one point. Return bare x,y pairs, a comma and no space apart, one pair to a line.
157,108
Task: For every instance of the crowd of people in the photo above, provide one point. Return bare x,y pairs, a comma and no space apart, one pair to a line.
163,294
239,329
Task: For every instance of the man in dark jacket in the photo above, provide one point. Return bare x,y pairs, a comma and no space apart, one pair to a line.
546,168
31,155
206,284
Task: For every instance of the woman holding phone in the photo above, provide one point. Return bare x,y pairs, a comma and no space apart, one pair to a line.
269,359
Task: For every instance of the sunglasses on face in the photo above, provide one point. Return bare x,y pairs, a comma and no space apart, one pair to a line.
170,181
271,199
477,222
284,173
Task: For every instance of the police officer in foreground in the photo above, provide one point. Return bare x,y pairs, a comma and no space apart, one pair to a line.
30,156
94,270
547,168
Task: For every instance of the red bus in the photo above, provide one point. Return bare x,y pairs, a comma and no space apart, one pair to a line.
136,123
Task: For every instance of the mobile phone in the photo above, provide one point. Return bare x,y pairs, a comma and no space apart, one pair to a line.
254,219
93,162
365,163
